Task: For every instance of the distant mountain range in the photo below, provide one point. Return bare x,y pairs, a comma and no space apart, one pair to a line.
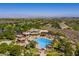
33,16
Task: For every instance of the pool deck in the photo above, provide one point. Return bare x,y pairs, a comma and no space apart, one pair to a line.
42,53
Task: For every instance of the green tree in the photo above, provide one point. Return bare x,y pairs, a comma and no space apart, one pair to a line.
68,51
53,53
77,49
3,48
16,50
9,35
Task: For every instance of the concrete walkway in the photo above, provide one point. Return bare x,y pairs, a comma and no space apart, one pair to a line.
42,53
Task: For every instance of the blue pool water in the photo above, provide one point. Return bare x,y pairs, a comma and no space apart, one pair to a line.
43,42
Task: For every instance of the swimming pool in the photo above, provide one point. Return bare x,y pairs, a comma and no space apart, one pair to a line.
43,42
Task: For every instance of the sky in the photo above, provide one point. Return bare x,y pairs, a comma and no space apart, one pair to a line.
39,10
